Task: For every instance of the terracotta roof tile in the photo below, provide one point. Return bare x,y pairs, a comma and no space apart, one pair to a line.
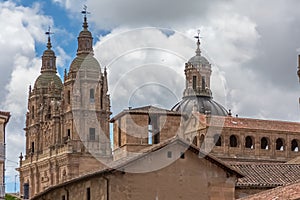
290,191
266,174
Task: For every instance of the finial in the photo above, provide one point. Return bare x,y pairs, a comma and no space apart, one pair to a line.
198,51
85,12
49,39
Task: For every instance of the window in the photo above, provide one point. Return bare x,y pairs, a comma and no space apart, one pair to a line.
69,97
88,193
92,95
264,144
195,141
119,133
63,197
203,82
153,130
233,141
92,136
279,144
69,133
294,146
217,140
249,142
182,156
32,147
32,112
169,154
194,82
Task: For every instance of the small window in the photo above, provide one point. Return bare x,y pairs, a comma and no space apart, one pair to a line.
92,136
32,147
249,143
88,193
119,133
69,97
279,144
182,156
294,146
203,83
32,112
169,154
69,133
194,82
233,141
63,197
195,142
92,95
217,140
264,144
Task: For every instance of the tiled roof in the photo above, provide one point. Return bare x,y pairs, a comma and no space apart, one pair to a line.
291,191
145,110
266,174
254,124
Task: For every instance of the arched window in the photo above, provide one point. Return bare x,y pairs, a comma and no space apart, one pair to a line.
264,144
233,141
249,142
69,97
32,112
217,140
194,82
294,145
195,142
279,144
201,140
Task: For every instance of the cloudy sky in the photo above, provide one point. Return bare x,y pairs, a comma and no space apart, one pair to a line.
253,49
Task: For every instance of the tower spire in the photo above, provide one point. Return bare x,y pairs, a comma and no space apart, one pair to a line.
198,51
85,13
49,38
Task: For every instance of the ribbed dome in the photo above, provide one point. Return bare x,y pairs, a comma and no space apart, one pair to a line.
86,62
205,105
45,79
198,59
85,33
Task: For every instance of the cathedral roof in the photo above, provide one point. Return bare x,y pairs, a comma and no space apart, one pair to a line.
82,61
198,60
46,78
202,104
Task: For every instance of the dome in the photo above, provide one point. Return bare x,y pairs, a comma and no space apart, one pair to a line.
46,78
86,61
49,53
198,59
203,104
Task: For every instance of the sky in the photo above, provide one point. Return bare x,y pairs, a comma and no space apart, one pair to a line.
252,47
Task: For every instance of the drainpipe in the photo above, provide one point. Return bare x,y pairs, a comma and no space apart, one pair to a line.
107,187
65,188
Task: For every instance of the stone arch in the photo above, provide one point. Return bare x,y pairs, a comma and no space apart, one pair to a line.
295,145
249,142
264,143
217,140
233,141
279,144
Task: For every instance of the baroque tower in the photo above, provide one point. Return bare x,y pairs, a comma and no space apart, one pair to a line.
67,124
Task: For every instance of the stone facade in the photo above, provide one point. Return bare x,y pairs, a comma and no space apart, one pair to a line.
4,118
65,121
189,177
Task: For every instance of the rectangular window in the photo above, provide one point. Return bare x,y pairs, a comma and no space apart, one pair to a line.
169,154
69,133
92,95
69,97
194,82
92,135
32,147
203,83
32,112
182,156
88,193
119,133
63,197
